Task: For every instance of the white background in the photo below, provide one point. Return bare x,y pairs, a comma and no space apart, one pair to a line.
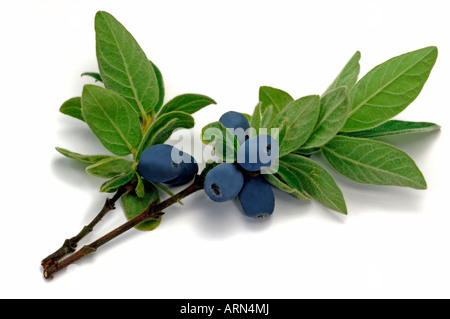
393,244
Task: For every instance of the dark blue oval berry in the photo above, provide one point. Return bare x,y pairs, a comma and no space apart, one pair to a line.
158,165
257,152
223,182
238,123
256,197
189,168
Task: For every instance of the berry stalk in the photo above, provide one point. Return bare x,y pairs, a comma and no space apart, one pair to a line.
152,212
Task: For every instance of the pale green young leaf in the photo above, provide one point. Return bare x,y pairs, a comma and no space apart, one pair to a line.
166,190
140,188
222,140
394,127
389,88
300,117
313,179
372,162
334,108
163,188
72,107
91,159
188,103
123,65
276,181
112,119
134,205
349,74
110,167
267,116
275,97
113,184
255,120
163,127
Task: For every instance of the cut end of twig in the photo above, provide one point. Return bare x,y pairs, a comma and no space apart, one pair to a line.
46,275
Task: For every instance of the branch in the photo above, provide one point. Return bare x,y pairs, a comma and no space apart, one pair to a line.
70,245
153,211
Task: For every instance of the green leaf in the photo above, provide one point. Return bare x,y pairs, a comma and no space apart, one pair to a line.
306,151
113,184
394,127
163,188
255,120
140,188
110,167
349,74
372,162
163,127
123,65
299,117
112,120
72,107
267,116
389,88
314,179
275,97
247,116
161,88
134,205
188,103
222,140
276,181
91,159
97,77
334,108
166,190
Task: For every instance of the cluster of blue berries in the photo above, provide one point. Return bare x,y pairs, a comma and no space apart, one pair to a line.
242,179
166,164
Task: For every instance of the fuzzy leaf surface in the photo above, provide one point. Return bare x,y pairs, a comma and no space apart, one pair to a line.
163,127
314,179
299,117
110,167
389,88
91,159
72,107
349,74
275,97
222,140
334,108
188,103
372,162
123,65
112,119
135,205
395,127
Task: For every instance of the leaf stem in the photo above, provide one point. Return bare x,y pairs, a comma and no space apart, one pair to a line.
153,211
70,245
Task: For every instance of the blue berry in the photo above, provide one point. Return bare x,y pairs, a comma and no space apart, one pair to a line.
256,197
157,165
223,182
238,122
188,170
257,152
